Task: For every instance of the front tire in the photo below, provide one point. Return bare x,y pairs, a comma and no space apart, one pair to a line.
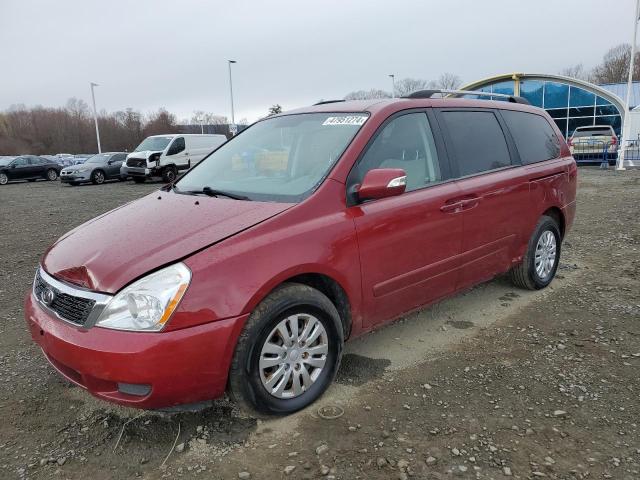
52,175
288,353
4,179
97,177
169,174
540,262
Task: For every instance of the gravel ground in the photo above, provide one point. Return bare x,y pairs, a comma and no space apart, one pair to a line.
495,383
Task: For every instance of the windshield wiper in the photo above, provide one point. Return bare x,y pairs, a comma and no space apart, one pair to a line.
211,192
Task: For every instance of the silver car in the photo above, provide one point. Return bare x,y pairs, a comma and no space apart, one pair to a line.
97,169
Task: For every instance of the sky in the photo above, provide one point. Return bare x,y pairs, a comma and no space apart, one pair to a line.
147,54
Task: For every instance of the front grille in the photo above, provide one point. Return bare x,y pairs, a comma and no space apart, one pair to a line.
137,162
69,307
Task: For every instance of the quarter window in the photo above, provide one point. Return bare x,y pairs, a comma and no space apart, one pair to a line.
406,142
477,141
535,139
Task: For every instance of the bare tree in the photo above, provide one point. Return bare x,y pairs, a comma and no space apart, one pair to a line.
160,122
275,109
615,65
367,94
577,71
409,85
447,81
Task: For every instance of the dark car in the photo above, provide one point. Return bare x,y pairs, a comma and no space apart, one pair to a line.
97,169
27,167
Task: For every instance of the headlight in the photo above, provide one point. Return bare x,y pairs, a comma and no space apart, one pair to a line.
147,304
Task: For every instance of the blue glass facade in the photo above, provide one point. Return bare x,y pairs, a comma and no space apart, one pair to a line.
569,106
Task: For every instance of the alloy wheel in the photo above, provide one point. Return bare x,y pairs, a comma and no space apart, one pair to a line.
545,256
52,175
293,356
99,176
3,179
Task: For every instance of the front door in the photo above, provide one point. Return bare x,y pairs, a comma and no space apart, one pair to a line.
114,164
177,153
409,244
20,169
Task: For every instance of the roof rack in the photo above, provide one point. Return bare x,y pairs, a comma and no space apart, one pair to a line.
324,102
430,93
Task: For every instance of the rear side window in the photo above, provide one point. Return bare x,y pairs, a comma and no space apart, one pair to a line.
477,141
535,139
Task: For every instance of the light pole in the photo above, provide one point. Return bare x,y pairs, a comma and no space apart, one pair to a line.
393,85
233,118
626,128
95,114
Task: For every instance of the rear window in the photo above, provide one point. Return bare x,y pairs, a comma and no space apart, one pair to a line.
593,132
477,141
535,139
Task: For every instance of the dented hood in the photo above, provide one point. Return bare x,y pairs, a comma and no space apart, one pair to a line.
110,251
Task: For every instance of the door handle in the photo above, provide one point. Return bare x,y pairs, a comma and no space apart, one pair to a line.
468,203
451,207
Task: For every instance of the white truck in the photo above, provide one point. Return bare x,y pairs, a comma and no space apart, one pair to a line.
166,155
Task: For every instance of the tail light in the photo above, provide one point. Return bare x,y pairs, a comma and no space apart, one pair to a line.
614,141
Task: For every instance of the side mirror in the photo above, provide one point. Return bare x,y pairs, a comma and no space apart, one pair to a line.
382,183
110,162
13,165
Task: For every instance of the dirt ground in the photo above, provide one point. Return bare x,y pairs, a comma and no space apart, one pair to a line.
495,383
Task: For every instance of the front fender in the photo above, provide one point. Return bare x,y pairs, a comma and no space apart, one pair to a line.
230,278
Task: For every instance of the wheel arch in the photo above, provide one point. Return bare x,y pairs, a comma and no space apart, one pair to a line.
323,282
558,216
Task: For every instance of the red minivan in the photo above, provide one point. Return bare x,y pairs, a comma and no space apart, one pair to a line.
311,227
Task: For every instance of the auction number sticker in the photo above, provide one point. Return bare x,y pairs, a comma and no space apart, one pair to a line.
350,120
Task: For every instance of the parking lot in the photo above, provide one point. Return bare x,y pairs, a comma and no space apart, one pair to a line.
494,383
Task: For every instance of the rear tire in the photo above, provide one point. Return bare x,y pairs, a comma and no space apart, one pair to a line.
300,369
139,179
540,262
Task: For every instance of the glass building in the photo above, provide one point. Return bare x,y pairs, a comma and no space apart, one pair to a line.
571,103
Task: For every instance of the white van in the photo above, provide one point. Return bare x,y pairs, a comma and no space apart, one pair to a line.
165,155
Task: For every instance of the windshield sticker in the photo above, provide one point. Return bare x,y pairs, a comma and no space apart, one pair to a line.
350,120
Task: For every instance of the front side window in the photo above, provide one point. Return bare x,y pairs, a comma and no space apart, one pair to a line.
477,141
177,146
406,142
278,159
535,140
20,162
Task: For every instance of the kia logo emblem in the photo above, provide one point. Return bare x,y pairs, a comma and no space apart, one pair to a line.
48,296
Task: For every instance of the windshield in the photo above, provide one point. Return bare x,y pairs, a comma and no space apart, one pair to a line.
6,160
277,159
153,143
99,158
